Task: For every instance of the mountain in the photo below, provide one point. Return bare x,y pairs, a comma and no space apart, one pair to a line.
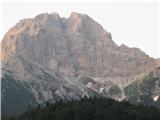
48,58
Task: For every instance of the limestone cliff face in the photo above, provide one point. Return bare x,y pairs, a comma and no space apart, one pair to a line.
77,45
56,53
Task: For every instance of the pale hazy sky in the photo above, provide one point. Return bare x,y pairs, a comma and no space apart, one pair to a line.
133,24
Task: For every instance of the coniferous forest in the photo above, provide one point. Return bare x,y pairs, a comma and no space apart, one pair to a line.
90,109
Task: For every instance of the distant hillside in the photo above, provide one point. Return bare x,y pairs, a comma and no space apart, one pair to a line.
90,109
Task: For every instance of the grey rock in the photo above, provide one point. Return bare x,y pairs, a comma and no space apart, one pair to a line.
49,56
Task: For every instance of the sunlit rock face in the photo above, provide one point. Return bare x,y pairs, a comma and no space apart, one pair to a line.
68,46
49,55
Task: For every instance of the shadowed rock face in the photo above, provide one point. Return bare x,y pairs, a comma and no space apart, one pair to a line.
56,52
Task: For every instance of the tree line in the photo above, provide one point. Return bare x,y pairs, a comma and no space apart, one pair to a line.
90,109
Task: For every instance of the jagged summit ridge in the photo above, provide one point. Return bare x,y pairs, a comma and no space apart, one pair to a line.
49,31
71,46
74,45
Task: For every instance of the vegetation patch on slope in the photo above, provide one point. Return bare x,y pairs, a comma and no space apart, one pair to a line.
141,91
91,109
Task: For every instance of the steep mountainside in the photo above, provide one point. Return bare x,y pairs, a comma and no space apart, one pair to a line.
51,58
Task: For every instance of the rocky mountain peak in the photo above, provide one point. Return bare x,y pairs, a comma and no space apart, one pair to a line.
51,57
76,15
77,44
